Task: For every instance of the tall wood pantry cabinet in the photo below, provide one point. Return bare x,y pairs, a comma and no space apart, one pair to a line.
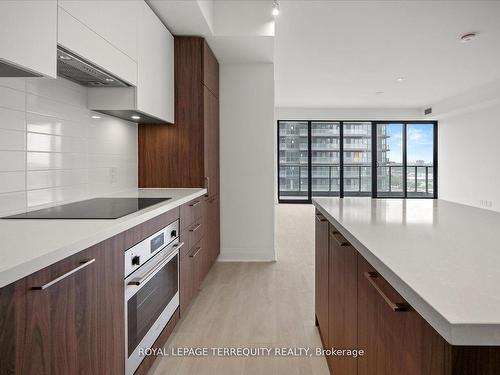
186,153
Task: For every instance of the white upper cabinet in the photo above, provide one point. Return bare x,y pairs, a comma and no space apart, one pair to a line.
28,35
103,32
155,63
153,98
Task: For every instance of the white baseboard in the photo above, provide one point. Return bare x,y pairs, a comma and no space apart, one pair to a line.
247,255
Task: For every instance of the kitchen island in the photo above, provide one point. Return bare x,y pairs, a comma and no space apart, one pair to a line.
434,267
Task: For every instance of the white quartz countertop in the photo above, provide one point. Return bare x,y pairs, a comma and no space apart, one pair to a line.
442,257
29,245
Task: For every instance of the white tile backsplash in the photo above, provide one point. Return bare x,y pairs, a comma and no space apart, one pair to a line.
12,119
12,161
52,151
12,99
12,181
12,140
53,125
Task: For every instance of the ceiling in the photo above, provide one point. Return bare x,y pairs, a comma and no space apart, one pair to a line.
238,31
341,53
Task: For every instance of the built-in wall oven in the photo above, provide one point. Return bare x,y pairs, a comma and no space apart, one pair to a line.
151,291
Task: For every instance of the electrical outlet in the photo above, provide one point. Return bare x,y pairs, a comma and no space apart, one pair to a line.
485,203
113,175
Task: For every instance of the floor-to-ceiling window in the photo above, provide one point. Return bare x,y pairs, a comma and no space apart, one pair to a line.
357,162
356,158
293,160
325,158
389,160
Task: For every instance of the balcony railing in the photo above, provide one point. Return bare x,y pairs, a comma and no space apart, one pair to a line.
357,179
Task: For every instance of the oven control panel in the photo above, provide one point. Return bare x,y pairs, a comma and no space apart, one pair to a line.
147,248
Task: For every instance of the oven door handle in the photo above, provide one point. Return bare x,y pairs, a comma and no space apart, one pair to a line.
137,281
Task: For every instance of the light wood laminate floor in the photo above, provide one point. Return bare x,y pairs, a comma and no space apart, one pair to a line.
253,305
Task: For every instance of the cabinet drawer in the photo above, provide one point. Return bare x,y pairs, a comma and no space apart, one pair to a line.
395,338
190,236
191,212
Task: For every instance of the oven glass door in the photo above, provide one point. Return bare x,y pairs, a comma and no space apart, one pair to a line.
148,303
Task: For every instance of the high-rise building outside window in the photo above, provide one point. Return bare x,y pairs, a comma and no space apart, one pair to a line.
356,158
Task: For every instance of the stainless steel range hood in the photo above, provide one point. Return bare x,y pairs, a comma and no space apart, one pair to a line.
78,70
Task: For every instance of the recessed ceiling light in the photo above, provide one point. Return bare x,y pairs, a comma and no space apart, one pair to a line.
110,80
135,117
468,37
400,79
379,92
64,57
96,117
276,8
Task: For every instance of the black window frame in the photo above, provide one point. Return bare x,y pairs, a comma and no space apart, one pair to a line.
374,193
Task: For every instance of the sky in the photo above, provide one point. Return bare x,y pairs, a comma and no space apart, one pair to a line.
419,142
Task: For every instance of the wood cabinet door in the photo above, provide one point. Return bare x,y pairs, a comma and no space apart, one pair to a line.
321,277
212,233
342,302
210,69
186,282
211,140
198,265
395,338
67,318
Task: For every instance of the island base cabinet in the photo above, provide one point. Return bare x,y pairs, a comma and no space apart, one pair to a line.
321,277
342,302
396,339
67,318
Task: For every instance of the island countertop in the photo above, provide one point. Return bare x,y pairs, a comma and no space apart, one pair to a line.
29,245
442,257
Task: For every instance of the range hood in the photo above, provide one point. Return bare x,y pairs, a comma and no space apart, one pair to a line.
78,70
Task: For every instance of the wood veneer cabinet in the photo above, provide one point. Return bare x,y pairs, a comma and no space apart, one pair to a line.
321,277
74,326
365,312
186,154
342,301
396,339
200,233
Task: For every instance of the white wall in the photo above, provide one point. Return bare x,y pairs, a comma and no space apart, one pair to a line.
247,162
51,150
469,158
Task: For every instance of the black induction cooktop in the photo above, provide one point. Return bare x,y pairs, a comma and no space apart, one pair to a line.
97,208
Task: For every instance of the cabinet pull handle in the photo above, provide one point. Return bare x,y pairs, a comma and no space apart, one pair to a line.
371,276
195,228
320,218
341,241
195,204
56,280
195,253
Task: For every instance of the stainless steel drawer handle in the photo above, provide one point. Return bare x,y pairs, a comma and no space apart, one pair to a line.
341,241
320,218
62,277
195,228
371,276
195,253
195,204
139,280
